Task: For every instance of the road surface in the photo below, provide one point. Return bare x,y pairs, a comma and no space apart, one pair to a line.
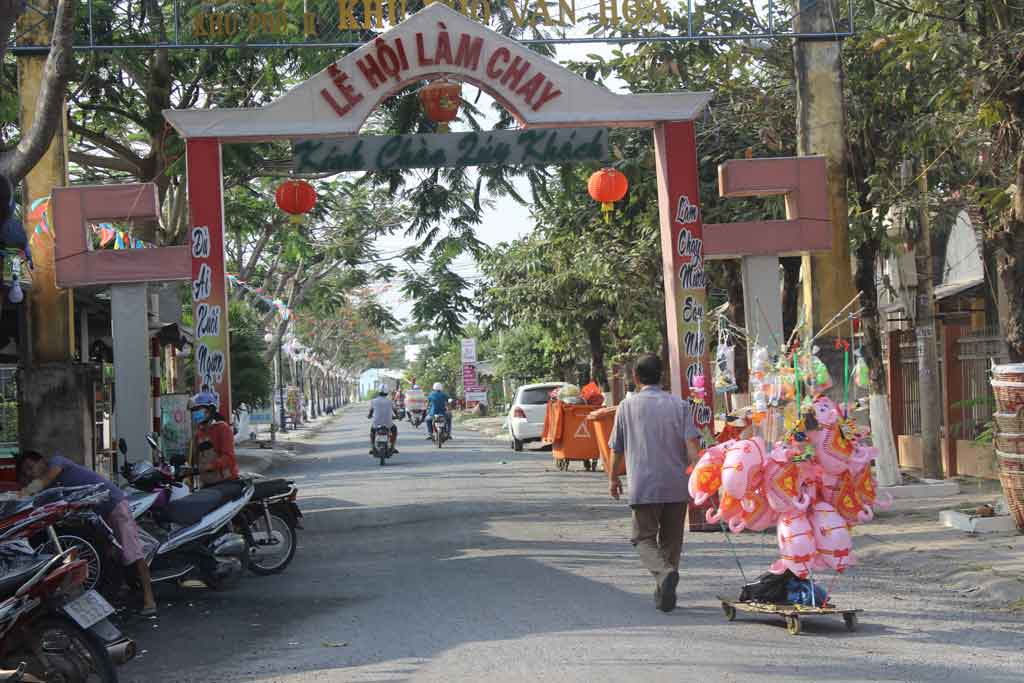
474,563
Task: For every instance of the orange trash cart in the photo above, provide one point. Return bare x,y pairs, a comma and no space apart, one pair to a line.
567,430
601,422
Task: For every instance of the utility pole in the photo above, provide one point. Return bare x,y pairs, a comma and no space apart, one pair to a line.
821,129
924,326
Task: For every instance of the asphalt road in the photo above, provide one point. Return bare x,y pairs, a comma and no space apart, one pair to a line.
474,563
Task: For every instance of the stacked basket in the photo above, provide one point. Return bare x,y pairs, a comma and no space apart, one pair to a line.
1008,386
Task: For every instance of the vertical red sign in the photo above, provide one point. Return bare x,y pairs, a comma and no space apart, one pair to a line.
209,284
682,249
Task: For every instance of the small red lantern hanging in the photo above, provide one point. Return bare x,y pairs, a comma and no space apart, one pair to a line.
441,100
296,198
607,186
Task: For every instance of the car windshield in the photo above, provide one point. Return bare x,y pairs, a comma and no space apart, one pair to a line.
535,396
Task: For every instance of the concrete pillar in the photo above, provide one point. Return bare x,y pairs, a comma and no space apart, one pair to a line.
133,405
762,301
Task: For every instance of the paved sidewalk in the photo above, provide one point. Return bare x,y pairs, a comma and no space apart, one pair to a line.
986,568
253,459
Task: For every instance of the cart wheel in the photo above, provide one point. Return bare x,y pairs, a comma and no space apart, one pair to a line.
593,466
851,621
793,625
730,611
586,465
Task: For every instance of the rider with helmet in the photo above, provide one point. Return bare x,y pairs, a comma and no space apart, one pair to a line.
382,412
214,445
437,402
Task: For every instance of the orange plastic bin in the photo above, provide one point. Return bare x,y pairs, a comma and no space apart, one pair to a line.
601,422
569,432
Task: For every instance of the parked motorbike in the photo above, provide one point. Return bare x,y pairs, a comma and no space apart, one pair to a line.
382,448
51,628
191,535
268,522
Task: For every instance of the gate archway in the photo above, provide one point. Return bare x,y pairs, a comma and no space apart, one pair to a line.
438,41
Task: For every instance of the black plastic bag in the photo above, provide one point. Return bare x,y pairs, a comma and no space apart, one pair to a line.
769,588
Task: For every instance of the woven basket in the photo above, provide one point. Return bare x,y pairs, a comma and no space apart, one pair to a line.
1010,442
1009,372
1009,395
1011,475
1011,423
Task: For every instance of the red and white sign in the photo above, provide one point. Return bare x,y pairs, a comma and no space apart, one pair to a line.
438,41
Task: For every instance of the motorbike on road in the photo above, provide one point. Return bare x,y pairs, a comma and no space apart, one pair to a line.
441,432
382,447
416,417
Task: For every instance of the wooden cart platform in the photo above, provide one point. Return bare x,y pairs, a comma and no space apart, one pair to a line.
791,613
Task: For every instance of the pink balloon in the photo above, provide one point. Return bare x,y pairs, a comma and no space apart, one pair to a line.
741,471
783,482
797,545
706,477
832,537
729,509
759,517
832,451
825,411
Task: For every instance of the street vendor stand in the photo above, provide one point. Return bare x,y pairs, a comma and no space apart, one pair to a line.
567,430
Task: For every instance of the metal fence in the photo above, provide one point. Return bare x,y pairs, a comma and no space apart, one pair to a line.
976,352
973,355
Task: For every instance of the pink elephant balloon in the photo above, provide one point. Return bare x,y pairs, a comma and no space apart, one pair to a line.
825,411
741,471
759,518
706,477
783,480
832,536
797,546
729,509
832,450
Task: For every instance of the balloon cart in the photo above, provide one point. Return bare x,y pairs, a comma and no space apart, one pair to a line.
802,466
791,613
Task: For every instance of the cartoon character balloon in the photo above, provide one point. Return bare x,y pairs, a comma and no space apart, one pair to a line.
741,471
832,537
797,545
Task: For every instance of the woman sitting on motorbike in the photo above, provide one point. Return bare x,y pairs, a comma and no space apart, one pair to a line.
214,442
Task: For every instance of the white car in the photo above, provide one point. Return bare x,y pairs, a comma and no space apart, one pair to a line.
526,417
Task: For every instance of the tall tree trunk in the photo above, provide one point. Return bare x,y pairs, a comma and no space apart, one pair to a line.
878,394
595,338
1010,241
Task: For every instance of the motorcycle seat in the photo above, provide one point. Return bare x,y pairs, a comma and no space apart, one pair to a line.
268,488
17,573
190,509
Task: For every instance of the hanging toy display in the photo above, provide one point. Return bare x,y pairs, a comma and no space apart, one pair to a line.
816,374
861,376
725,360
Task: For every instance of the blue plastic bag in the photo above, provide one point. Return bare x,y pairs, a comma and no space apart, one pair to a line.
798,592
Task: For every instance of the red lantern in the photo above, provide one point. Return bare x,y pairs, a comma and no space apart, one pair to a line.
607,186
296,197
441,100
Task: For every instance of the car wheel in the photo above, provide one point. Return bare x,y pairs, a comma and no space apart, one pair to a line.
517,445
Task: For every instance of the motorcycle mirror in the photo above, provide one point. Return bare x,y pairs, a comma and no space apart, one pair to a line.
151,440
122,446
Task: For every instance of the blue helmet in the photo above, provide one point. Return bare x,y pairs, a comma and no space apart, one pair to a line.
204,399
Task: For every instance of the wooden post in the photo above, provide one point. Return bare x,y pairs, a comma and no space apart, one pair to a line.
896,406
953,391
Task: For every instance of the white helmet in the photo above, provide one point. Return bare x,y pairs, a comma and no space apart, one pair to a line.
438,386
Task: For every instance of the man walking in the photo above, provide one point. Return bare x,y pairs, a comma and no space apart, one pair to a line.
655,432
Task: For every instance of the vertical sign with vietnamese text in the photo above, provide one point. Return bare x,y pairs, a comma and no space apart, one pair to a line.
209,285
469,382
682,244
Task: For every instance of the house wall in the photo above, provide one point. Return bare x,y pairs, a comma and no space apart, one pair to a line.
973,459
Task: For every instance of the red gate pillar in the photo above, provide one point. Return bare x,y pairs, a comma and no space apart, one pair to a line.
682,253
209,284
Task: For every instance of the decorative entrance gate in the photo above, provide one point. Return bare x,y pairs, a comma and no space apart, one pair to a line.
539,93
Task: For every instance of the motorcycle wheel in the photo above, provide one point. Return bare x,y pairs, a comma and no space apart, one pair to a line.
74,655
265,565
382,459
104,571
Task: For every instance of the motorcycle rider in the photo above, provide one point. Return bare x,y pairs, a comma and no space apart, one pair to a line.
214,442
437,403
43,472
382,412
